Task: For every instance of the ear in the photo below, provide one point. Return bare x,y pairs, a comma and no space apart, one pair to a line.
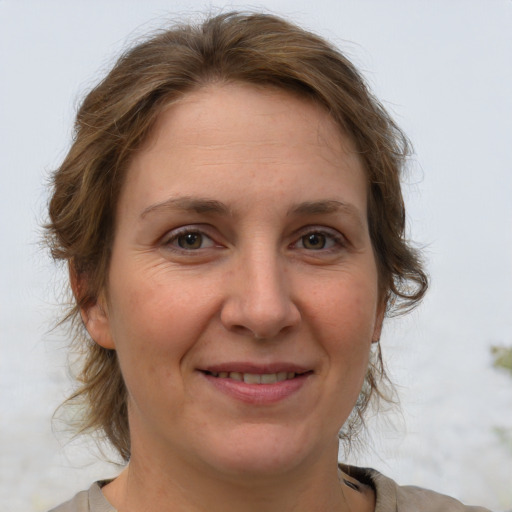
379,320
94,314
97,323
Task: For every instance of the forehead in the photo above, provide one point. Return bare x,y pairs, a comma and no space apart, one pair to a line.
271,111
265,139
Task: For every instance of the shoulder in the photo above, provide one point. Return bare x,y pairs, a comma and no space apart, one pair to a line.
91,500
391,497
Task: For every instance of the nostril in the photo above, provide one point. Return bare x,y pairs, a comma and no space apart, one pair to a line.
245,331
259,334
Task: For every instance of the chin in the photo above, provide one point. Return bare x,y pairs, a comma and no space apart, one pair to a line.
259,450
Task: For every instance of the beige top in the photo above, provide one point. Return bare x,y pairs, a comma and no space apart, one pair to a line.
391,497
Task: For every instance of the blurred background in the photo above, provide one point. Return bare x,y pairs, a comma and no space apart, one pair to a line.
444,70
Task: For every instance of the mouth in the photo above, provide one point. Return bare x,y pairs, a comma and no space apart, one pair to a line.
257,384
257,378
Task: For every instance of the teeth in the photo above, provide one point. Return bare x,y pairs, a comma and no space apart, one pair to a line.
255,378
268,378
281,376
252,378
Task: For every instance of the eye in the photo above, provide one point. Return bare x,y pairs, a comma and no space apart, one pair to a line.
320,239
188,240
314,241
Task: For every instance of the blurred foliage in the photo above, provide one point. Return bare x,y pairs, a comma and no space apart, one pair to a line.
505,436
502,357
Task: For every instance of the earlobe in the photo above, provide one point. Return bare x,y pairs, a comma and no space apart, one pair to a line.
94,314
96,321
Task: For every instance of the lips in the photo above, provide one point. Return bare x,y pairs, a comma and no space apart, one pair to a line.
255,378
257,384
255,373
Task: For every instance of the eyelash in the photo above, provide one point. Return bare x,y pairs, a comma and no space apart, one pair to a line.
337,240
175,235
332,238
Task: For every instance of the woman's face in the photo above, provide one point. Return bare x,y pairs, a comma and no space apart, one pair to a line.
242,296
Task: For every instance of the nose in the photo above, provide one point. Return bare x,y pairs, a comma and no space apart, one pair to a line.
259,301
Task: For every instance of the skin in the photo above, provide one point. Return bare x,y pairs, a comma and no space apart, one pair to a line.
241,238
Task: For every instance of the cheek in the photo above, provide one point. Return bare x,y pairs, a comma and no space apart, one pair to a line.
347,305
346,317
153,332
158,302
154,323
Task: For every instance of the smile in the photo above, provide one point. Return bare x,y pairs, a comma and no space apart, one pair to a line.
257,385
255,378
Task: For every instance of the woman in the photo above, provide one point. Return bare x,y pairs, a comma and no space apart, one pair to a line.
231,215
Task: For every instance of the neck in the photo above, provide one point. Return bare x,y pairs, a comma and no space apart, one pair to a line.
179,487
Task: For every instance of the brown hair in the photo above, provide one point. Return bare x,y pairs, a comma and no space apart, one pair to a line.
116,117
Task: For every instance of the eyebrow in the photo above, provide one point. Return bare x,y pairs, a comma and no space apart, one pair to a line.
326,207
192,204
211,206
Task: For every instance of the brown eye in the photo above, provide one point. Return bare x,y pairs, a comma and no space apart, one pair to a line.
187,239
314,241
190,241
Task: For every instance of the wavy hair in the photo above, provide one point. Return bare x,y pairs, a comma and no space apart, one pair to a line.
117,115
